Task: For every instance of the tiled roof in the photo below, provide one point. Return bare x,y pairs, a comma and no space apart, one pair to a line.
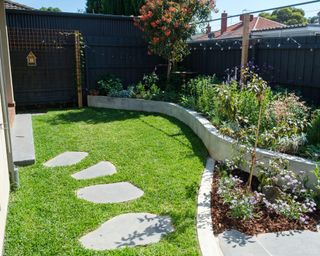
236,30
13,5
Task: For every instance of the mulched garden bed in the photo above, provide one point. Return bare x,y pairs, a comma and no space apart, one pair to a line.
266,221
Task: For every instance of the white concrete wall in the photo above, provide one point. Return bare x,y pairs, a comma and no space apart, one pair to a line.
220,147
4,182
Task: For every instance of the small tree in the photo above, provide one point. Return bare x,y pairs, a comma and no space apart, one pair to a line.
258,86
287,16
50,9
169,24
94,6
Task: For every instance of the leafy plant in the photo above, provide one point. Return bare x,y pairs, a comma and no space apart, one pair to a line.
148,89
290,196
109,85
312,152
129,93
313,133
242,203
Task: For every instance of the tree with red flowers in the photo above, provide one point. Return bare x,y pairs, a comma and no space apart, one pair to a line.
168,25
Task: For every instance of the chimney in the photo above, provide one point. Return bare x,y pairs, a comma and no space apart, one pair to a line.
224,22
208,31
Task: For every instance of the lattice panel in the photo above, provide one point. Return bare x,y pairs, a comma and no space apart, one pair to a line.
39,39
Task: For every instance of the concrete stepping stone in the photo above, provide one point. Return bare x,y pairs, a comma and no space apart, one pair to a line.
66,159
110,193
101,169
128,230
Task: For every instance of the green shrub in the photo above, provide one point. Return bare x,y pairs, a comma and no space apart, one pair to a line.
109,85
148,88
200,94
313,133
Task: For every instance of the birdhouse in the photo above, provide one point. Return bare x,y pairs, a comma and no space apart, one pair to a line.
31,59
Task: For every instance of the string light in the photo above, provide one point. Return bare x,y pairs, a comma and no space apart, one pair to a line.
238,42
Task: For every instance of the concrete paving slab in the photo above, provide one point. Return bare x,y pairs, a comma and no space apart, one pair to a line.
22,141
99,170
110,193
128,230
66,159
291,243
235,243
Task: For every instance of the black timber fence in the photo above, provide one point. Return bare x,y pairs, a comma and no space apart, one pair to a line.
112,45
291,62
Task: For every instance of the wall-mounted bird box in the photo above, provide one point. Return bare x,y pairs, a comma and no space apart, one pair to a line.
31,59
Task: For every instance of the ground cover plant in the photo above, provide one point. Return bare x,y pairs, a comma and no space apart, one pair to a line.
158,154
277,201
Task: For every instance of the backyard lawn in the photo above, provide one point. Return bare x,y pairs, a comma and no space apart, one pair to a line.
157,154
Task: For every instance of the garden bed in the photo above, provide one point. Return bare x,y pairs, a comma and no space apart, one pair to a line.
264,222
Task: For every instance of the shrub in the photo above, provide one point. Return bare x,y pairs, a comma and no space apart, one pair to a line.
129,93
200,93
313,133
167,25
148,88
109,85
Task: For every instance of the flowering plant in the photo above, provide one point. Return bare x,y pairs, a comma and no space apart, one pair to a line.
169,24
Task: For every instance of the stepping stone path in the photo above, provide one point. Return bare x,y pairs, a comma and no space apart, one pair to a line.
110,193
66,159
128,230
99,170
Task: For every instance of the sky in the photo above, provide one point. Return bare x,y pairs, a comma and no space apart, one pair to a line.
230,6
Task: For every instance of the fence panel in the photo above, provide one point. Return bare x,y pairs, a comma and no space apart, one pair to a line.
113,45
293,62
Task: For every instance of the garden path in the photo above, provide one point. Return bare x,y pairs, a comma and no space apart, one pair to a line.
126,230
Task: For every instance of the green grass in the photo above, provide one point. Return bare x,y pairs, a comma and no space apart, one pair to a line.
158,154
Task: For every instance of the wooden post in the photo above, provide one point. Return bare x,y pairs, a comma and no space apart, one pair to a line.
78,67
245,43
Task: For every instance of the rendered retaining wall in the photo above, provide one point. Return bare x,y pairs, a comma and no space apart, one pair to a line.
220,147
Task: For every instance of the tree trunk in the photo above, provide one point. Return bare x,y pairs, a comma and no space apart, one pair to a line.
254,153
169,70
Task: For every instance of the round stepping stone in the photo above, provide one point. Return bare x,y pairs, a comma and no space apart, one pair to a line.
128,230
110,193
98,170
66,159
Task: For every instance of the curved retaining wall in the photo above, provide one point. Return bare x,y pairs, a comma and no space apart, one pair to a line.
219,146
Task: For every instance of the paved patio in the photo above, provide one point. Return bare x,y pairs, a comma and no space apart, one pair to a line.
292,243
22,140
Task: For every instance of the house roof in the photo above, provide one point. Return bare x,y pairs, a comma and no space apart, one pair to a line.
236,30
13,5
